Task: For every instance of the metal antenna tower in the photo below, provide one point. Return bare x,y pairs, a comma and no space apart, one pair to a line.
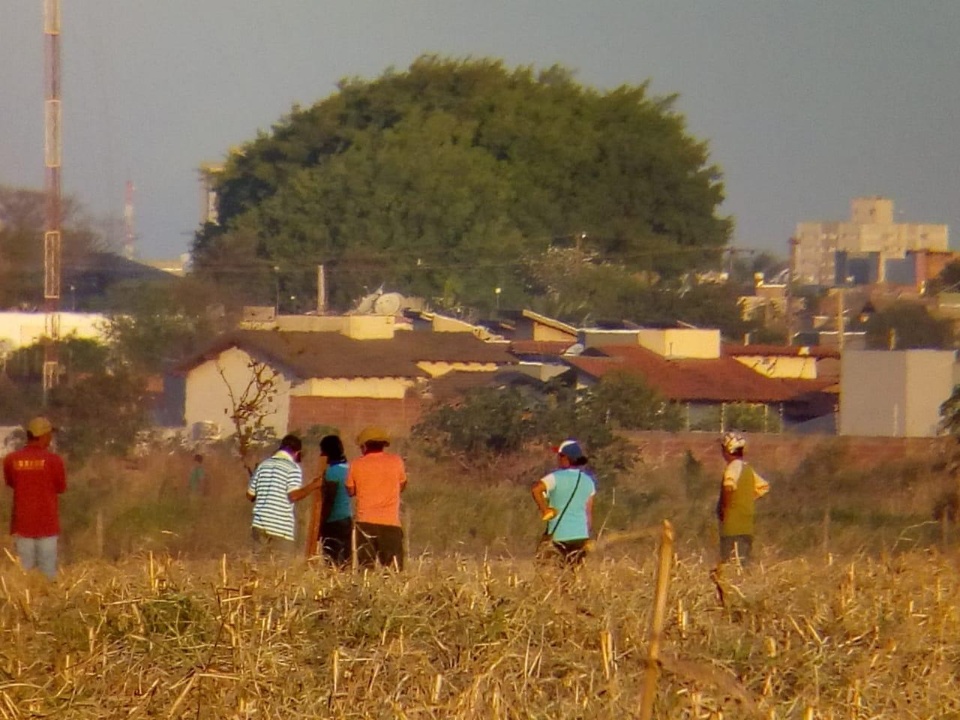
52,151
129,228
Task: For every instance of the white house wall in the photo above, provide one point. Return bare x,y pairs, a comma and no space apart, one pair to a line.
894,393
208,389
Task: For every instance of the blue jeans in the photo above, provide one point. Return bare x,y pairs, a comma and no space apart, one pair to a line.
38,553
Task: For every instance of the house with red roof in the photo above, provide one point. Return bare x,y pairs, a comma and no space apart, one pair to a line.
329,378
687,367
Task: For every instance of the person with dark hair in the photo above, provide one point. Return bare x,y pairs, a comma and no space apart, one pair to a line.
336,514
37,477
375,481
741,487
565,500
273,491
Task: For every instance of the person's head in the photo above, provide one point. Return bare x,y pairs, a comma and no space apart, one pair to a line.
40,430
570,454
373,439
331,447
732,444
292,445
198,459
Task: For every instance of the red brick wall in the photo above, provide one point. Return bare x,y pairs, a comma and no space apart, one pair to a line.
780,452
350,415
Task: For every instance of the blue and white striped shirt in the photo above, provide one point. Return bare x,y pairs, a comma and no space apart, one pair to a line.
271,481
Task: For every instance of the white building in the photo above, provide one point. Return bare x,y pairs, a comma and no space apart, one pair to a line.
894,393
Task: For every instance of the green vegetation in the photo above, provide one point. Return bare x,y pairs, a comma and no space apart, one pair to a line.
453,177
906,326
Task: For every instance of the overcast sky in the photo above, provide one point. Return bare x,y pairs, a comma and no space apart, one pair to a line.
805,104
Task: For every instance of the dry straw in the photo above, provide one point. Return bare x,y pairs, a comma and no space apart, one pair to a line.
464,638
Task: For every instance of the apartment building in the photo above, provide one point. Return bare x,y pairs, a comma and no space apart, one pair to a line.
871,230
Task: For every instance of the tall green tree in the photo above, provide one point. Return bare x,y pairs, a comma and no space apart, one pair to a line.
907,326
442,179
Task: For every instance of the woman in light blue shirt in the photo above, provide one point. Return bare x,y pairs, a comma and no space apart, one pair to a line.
336,519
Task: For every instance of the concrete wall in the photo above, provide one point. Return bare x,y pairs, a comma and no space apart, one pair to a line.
681,342
20,329
377,388
350,415
894,393
207,393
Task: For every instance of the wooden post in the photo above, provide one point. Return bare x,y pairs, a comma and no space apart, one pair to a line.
316,513
656,624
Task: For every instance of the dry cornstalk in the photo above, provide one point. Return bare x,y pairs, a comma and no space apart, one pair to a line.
656,623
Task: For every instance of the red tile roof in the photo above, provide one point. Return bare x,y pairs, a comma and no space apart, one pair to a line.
332,355
721,379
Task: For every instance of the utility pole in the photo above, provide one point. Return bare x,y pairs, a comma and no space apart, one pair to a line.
790,275
129,227
53,215
321,290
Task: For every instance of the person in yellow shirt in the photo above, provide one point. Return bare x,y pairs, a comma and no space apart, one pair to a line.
375,482
741,487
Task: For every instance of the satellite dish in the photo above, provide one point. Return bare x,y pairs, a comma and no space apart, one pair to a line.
365,305
388,304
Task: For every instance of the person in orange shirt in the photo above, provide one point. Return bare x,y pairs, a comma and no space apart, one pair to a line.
37,477
375,481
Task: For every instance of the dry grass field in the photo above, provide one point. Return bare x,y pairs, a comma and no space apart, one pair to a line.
468,638
852,610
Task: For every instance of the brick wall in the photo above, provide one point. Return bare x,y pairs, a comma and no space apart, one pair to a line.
781,453
350,415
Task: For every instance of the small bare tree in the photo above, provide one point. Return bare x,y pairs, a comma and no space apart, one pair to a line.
249,409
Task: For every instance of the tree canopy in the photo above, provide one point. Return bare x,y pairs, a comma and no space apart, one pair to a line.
446,179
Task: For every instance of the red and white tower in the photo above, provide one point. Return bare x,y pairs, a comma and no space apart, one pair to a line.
53,212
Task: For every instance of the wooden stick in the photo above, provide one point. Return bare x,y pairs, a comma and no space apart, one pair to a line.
316,513
656,623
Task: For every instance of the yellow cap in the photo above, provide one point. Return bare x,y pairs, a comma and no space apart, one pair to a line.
372,434
39,426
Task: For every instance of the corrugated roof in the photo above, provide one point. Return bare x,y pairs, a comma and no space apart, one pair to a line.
329,354
721,379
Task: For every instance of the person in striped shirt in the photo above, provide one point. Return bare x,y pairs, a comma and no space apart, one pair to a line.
273,490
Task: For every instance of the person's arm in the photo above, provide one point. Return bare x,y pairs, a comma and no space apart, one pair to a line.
760,486
351,483
403,477
589,509
252,487
315,485
295,484
731,475
539,493
8,471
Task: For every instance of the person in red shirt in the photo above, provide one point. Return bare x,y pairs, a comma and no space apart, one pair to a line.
375,481
37,477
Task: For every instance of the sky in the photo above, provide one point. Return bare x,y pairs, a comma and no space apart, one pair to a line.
804,105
